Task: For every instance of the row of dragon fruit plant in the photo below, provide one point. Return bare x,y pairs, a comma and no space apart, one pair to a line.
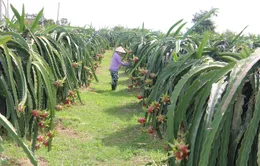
42,69
203,90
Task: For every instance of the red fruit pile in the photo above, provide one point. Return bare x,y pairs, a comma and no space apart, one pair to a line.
142,120
143,71
150,130
100,56
40,114
44,139
180,150
130,86
136,83
148,82
160,118
50,134
152,75
75,64
58,83
59,107
165,98
41,124
67,102
135,59
36,113
72,93
139,97
40,138
45,142
154,106
150,109
44,115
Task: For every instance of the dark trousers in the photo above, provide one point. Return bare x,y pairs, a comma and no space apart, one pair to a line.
114,76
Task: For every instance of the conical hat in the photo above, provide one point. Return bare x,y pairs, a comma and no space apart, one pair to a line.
120,49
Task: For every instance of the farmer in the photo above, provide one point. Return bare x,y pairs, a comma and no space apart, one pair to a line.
115,65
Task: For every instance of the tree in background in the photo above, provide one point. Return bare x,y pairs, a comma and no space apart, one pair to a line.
29,18
205,25
64,21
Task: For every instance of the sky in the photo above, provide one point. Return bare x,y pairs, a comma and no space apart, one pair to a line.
156,15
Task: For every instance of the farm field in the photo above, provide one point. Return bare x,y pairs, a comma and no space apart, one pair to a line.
189,97
102,131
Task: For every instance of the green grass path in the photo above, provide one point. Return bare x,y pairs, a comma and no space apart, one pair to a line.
102,131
